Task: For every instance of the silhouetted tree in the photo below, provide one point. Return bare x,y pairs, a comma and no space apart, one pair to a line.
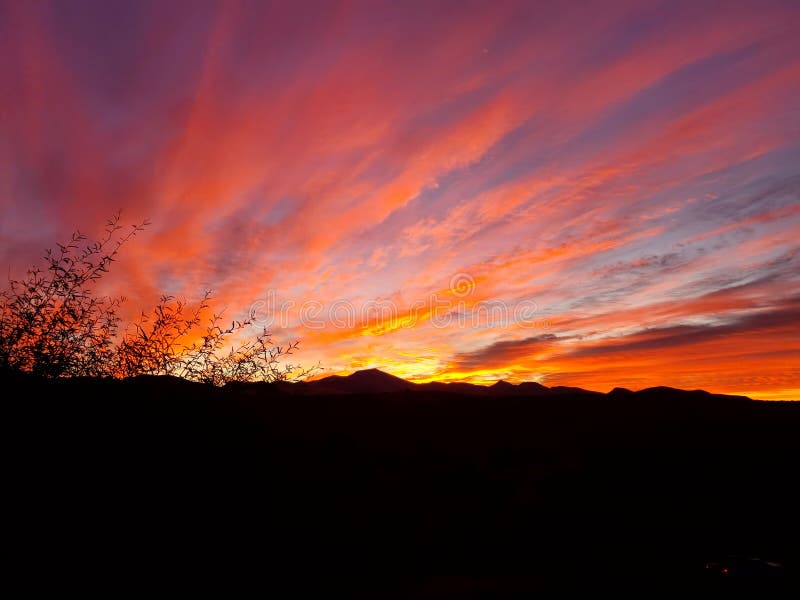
54,324
161,343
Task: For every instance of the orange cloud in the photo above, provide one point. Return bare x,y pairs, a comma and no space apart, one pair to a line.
628,170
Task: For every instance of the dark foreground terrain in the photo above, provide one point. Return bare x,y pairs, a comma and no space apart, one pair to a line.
509,494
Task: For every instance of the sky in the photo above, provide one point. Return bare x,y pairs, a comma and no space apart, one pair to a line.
597,194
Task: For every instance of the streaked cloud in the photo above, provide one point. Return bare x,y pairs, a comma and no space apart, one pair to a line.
629,167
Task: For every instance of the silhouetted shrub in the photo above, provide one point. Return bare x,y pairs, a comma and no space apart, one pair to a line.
51,322
160,343
54,324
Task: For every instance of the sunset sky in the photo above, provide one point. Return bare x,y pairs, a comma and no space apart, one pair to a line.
597,194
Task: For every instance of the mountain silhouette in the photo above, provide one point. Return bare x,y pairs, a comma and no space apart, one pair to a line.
527,388
620,392
503,387
369,469
533,388
375,381
369,381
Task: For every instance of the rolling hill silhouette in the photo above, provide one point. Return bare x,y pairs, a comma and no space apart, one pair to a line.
375,381
369,381
537,484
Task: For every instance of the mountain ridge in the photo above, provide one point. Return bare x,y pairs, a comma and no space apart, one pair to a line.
376,381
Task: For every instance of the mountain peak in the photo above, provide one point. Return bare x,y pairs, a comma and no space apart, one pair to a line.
374,372
375,381
621,391
366,381
502,384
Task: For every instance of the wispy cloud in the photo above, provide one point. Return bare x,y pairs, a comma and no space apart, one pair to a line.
629,167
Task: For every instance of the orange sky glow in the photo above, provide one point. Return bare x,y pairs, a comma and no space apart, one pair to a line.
593,195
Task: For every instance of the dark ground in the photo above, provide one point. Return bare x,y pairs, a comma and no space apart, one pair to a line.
122,481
